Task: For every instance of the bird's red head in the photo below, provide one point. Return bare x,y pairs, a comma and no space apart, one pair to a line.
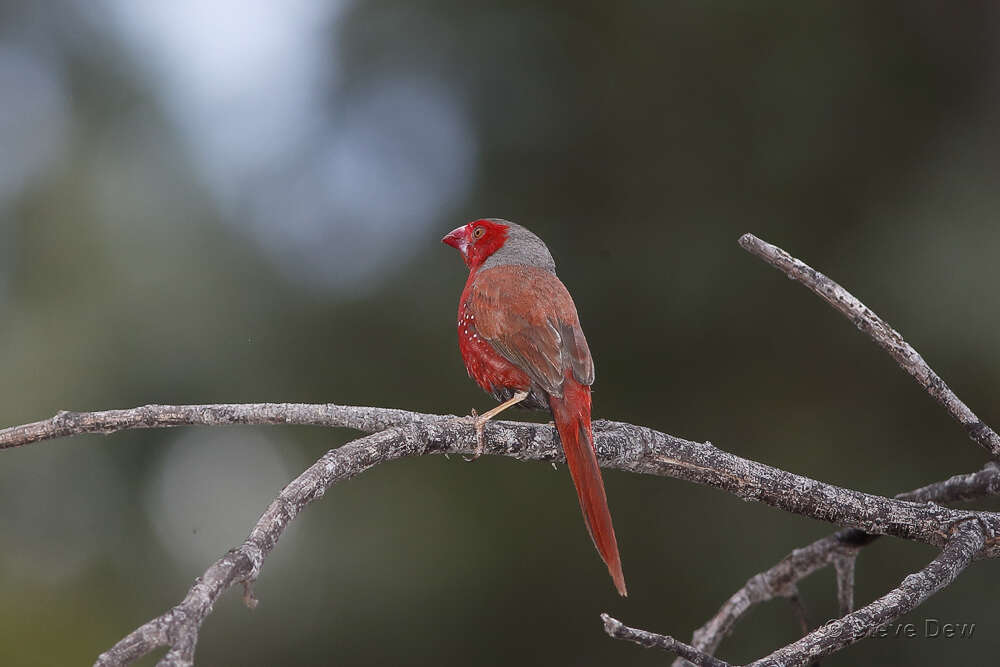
477,240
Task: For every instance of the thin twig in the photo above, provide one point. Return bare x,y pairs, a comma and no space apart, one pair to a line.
618,630
799,610
879,330
971,486
779,581
844,567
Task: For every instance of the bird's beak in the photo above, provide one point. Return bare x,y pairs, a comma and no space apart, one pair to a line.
456,239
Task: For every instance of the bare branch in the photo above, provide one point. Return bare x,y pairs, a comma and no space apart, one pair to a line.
619,445
780,580
752,481
887,338
178,628
618,630
915,589
959,488
638,449
66,424
841,549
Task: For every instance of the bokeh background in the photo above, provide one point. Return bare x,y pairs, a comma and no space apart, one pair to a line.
222,201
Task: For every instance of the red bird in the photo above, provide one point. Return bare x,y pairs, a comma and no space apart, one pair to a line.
521,341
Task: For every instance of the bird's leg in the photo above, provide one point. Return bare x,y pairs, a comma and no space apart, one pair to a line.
479,421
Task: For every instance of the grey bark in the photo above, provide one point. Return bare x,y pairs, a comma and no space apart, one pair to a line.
619,445
615,628
960,551
879,330
962,547
840,550
400,433
962,535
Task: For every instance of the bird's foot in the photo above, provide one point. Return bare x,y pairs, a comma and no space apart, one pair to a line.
479,423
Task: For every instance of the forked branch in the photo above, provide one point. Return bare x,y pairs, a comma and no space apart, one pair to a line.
958,553
841,549
399,434
962,535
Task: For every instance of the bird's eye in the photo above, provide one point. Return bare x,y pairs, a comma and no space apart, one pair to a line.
478,232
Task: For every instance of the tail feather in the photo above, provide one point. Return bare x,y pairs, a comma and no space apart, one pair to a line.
572,416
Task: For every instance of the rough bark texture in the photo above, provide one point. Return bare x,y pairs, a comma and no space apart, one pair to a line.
961,549
962,535
917,587
165,416
619,445
399,433
879,330
840,550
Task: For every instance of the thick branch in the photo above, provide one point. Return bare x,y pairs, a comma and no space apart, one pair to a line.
879,330
66,424
705,464
619,445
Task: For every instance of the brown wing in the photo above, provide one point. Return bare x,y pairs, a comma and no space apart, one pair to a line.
529,318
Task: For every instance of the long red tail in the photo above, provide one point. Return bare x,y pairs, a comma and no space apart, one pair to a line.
572,416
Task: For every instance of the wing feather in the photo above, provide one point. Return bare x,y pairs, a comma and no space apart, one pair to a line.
529,318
